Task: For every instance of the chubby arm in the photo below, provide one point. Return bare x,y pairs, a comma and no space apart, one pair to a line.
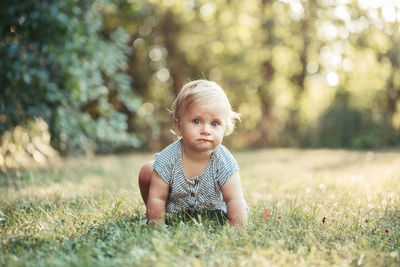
158,194
235,204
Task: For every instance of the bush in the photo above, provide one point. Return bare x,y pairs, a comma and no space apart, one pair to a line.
338,127
60,68
349,127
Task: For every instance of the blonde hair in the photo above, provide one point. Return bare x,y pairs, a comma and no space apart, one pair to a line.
203,91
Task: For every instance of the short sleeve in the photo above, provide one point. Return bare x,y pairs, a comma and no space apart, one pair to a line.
164,162
226,165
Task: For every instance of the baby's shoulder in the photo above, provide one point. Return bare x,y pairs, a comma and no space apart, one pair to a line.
221,151
170,153
223,155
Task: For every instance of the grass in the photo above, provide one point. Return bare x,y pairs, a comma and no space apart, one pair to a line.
308,207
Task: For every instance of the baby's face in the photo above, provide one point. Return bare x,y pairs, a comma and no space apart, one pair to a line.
202,126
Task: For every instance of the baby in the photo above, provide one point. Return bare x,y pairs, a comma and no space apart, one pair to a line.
196,172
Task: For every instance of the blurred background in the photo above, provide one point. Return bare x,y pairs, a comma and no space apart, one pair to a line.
85,76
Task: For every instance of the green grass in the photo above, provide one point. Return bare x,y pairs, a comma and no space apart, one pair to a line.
88,212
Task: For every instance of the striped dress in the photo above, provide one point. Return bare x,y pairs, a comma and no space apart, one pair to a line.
201,192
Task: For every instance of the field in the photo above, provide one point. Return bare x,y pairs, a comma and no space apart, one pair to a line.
308,208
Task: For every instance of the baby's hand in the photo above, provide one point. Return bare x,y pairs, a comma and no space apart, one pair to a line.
158,194
235,203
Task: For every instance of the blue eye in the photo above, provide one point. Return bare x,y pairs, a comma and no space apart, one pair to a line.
196,121
215,123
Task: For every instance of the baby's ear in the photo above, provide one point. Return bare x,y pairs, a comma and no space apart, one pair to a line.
177,126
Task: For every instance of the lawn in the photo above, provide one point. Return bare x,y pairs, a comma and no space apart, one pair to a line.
308,207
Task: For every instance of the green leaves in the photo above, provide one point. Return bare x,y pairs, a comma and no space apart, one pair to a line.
61,68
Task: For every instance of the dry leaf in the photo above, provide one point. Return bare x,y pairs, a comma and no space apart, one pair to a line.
266,214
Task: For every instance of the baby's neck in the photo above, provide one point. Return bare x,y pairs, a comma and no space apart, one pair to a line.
194,163
196,156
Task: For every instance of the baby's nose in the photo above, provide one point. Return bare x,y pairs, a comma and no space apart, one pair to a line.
206,130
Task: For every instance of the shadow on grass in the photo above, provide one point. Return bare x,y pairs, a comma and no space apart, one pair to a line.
97,240
112,238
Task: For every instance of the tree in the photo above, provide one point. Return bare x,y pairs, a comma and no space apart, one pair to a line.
283,64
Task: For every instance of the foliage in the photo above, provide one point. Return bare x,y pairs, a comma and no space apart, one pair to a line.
59,67
344,126
281,62
334,207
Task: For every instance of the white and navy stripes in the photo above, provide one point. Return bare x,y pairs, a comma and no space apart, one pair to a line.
202,192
